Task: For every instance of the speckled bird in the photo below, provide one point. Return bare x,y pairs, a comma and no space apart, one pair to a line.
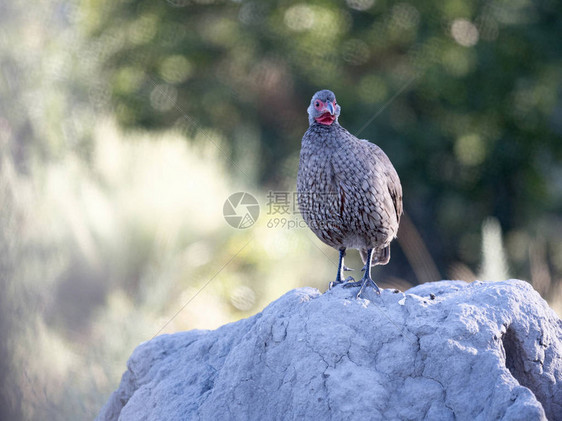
348,191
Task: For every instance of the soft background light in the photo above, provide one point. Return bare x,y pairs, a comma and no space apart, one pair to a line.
125,125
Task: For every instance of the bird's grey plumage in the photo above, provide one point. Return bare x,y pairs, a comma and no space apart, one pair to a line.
348,190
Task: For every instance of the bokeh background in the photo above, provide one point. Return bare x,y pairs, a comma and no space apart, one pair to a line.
126,124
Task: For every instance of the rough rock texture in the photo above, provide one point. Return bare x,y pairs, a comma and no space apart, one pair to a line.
476,351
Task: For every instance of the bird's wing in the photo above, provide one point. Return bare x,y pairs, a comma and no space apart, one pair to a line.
365,172
377,163
393,181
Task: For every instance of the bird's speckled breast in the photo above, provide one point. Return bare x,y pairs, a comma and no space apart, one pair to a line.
343,193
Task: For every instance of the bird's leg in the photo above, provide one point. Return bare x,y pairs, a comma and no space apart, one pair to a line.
366,280
341,268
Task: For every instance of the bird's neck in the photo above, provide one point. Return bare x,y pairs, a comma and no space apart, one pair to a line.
332,126
323,136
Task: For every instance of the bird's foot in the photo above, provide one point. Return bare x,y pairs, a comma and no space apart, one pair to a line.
339,281
345,268
363,283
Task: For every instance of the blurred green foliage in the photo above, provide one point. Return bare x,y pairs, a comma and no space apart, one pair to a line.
468,95
107,232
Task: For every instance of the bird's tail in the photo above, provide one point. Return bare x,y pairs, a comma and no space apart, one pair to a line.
380,257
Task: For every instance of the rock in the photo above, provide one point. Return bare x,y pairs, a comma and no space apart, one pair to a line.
475,351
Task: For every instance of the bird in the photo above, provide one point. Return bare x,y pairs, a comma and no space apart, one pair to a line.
348,192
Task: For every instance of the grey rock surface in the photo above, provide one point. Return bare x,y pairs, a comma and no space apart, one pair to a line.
476,351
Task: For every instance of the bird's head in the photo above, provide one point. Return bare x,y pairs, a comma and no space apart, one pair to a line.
323,108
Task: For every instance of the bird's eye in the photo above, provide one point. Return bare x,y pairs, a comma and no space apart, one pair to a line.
317,104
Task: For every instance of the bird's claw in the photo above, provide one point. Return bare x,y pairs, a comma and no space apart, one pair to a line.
345,268
363,283
339,282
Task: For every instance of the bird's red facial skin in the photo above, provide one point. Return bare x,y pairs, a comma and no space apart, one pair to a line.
326,119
